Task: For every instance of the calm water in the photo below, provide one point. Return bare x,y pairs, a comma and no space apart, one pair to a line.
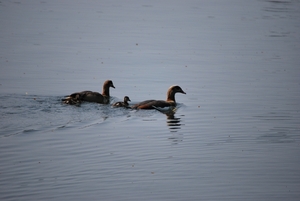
235,135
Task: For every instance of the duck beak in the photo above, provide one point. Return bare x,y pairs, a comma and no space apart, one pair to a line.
182,92
112,86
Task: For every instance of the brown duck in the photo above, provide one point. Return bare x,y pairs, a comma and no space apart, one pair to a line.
122,104
154,104
90,96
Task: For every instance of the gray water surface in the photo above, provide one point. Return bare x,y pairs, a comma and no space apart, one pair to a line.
235,134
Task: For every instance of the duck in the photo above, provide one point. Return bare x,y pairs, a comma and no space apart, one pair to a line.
155,104
73,101
91,96
122,104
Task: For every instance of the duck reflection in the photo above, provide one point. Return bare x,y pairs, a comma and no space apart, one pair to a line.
173,122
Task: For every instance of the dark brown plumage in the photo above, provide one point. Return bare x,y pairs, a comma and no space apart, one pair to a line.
91,96
122,104
148,104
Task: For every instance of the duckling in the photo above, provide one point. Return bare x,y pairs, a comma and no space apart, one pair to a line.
122,104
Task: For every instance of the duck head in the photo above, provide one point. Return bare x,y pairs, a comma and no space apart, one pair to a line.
106,85
172,91
109,83
126,99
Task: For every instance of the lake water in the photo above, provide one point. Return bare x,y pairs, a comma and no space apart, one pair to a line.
235,134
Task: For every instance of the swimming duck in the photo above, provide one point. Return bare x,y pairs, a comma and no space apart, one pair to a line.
154,104
72,101
91,96
122,104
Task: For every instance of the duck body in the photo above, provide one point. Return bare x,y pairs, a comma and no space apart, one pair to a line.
123,104
148,104
154,104
91,96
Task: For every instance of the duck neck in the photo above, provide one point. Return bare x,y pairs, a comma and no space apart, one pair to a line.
171,96
105,91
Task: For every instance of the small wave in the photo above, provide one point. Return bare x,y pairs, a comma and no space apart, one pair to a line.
29,130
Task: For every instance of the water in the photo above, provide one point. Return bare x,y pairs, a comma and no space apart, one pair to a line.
234,136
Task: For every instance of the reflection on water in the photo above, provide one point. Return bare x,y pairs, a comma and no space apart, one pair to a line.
278,6
279,10
173,122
